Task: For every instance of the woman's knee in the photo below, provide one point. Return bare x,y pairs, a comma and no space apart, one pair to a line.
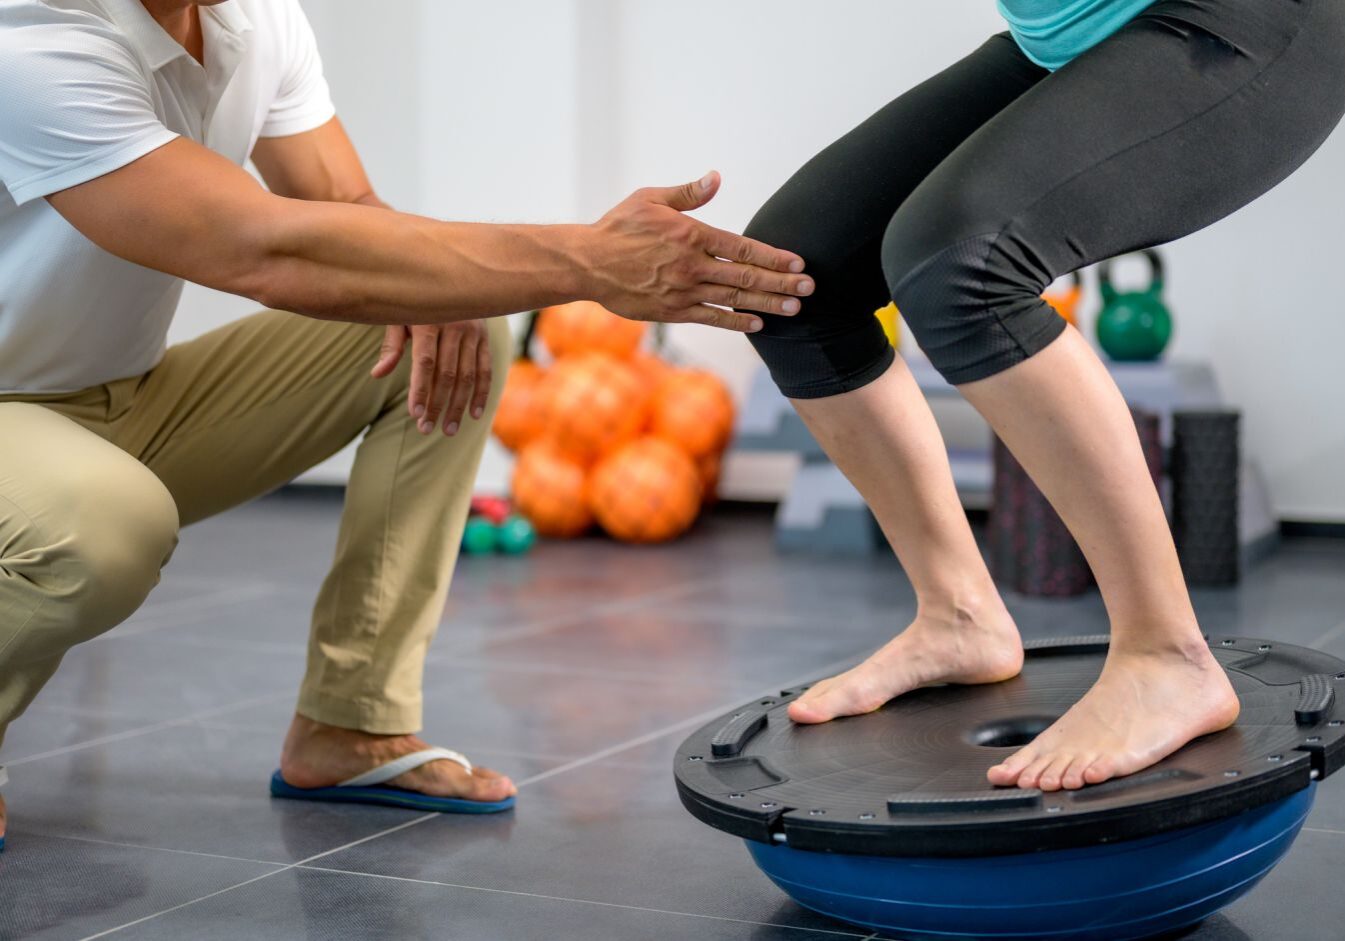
834,344
973,302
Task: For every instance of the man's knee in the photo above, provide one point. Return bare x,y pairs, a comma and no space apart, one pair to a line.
123,529
973,303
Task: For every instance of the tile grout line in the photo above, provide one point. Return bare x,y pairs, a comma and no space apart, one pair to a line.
518,633
634,603
562,898
184,611
1330,635
1324,830
166,911
156,849
578,763
147,729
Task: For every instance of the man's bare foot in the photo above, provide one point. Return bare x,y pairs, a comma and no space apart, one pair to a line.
1143,708
965,649
318,755
2,818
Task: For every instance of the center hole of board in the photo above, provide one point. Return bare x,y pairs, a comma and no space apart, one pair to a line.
1010,733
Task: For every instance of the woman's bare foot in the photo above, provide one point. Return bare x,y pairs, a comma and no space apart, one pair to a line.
318,755
967,648
1143,708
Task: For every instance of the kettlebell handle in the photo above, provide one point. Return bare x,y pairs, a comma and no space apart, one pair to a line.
1155,288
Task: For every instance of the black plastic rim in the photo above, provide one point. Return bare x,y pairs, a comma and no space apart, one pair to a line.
909,779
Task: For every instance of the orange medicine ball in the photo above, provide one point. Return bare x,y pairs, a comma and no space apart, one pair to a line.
548,489
588,327
594,403
648,491
692,408
651,370
521,415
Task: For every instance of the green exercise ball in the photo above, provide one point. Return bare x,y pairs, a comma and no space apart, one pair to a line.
515,535
480,536
1134,326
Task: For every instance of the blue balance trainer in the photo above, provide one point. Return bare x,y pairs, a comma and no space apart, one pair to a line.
887,821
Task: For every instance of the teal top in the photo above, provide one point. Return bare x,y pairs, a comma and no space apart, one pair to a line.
1051,32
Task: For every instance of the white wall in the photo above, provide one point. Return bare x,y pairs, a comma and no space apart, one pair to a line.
554,109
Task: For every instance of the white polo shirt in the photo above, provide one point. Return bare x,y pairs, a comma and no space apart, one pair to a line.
86,87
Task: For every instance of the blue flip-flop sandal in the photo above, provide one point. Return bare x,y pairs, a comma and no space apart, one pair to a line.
371,788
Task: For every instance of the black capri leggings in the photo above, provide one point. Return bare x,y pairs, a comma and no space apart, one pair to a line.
965,197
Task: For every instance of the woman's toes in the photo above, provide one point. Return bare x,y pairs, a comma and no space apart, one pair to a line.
805,712
1006,773
1072,779
1053,777
1031,776
1102,769
840,695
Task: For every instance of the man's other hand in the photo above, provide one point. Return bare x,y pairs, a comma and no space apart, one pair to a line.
450,370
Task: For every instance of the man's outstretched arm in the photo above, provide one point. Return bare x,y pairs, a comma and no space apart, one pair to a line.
187,211
451,364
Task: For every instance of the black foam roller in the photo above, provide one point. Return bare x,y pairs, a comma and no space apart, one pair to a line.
1205,466
1031,550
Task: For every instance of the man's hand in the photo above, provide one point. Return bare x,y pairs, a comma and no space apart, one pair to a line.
450,368
651,262
187,211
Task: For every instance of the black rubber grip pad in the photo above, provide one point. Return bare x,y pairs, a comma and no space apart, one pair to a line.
1069,646
735,733
1316,696
1008,799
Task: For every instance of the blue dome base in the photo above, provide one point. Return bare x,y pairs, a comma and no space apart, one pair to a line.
1110,892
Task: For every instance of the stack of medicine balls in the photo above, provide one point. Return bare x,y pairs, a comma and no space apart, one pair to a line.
610,433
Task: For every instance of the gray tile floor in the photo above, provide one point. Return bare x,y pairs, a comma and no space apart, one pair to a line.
138,789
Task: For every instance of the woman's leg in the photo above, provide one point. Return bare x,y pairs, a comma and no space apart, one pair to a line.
1184,116
865,409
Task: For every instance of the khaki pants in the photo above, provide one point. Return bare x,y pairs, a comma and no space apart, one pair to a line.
94,484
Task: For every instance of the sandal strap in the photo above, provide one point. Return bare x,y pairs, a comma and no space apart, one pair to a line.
386,772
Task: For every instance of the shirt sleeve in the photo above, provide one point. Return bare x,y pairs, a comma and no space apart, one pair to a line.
303,101
75,106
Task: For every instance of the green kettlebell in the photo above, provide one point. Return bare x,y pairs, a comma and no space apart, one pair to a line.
1134,326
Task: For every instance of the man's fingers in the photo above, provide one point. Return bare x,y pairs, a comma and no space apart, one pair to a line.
424,357
465,385
688,196
394,341
739,299
718,317
484,376
752,278
445,378
747,251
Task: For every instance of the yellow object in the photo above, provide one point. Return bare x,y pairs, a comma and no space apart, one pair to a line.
889,318
100,480
1066,302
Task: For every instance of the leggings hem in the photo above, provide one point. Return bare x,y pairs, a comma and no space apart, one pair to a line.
837,385
1026,348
